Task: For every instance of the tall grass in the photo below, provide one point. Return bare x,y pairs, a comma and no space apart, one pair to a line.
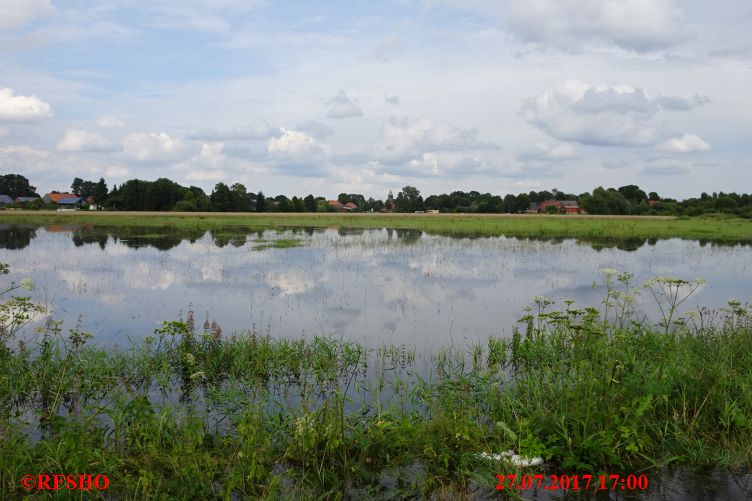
192,412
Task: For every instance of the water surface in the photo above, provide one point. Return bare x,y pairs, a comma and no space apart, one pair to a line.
374,286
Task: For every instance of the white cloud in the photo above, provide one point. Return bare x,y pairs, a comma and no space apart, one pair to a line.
687,143
393,99
341,106
17,13
639,25
602,115
542,152
319,131
24,159
295,152
152,146
15,108
259,129
408,139
84,140
110,123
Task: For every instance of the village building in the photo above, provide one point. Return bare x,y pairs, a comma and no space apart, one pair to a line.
565,206
340,207
25,200
390,205
5,199
55,198
69,203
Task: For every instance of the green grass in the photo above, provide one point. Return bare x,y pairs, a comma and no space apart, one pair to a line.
593,227
191,412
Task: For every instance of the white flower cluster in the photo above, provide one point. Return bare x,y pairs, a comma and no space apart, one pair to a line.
511,457
27,284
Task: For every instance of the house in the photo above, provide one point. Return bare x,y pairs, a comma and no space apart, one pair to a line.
5,199
25,200
566,206
54,198
533,209
340,207
69,203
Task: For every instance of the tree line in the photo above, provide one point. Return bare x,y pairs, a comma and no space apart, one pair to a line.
166,195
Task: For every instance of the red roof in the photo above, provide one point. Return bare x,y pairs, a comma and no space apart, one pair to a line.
56,197
334,203
351,205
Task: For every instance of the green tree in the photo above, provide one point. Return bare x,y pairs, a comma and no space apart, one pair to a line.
15,185
241,198
409,200
222,199
100,191
260,202
310,203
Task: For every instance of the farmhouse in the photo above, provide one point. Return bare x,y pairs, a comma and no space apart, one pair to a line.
340,207
25,200
69,203
5,199
54,198
566,206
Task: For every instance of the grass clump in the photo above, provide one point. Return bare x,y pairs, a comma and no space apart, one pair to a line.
192,412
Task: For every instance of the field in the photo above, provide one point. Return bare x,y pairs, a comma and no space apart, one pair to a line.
701,228
192,411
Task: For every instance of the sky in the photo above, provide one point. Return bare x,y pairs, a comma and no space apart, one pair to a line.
365,97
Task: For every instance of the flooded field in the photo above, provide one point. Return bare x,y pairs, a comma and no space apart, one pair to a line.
372,286
376,363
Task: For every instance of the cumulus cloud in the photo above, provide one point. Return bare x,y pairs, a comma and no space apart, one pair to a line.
18,13
638,25
342,106
602,115
259,129
409,138
394,99
296,152
15,108
152,146
25,159
84,140
687,143
320,131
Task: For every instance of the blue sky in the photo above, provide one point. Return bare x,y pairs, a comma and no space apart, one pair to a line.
326,97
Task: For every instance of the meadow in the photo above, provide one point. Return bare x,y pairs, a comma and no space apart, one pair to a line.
720,228
193,412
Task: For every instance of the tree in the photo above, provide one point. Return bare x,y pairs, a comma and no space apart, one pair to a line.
260,202
76,186
100,191
241,198
15,185
409,200
309,203
222,199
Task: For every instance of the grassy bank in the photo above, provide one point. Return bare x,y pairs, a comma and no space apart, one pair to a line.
705,228
190,412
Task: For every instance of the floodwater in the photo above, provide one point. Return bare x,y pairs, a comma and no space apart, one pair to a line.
374,286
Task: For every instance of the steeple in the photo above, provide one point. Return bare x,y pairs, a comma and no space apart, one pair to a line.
390,197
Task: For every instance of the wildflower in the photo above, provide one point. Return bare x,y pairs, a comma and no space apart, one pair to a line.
27,284
189,359
608,272
198,375
511,457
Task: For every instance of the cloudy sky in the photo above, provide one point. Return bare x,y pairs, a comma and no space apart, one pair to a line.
325,97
